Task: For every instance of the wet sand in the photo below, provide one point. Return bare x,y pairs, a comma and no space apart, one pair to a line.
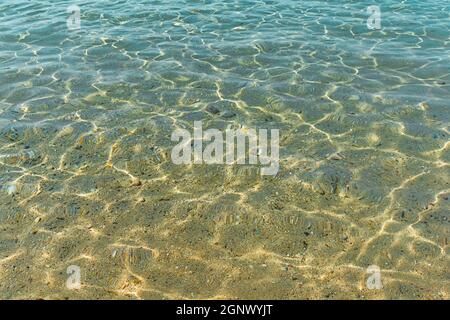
87,179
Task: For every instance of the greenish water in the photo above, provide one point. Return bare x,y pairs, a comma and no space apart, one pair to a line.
86,176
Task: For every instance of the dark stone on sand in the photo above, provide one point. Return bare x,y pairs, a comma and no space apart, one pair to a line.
228,114
224,107
212,109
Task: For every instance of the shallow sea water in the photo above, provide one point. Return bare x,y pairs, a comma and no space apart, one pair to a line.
86,177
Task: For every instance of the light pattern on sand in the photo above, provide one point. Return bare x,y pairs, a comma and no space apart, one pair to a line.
85,171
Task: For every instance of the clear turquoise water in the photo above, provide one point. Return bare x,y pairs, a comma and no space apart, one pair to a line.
86,178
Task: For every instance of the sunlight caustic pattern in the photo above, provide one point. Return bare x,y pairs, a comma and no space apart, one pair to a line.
92,206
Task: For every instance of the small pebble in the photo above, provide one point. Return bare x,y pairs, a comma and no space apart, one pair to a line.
212,109
136,182
228,114
337,156
11,188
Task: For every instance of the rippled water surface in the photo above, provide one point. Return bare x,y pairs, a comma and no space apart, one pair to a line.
86,177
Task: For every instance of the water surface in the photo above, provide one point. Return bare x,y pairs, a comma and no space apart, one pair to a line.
86,176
